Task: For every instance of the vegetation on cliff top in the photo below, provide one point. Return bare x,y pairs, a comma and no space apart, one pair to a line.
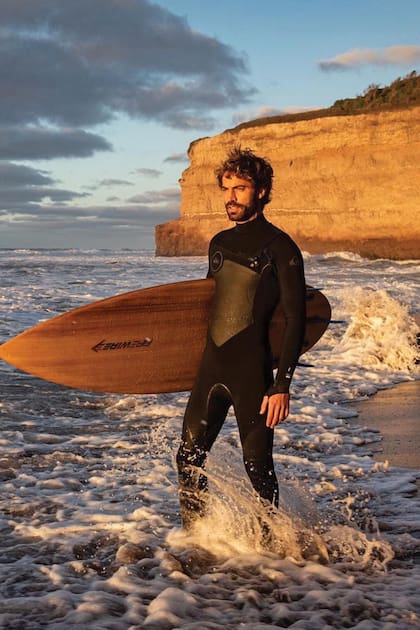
401,94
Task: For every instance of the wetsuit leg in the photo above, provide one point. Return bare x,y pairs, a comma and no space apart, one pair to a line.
204,417
257,441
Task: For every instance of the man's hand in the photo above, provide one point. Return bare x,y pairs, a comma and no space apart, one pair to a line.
277,408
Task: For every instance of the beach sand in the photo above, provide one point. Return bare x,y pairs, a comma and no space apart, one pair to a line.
396,414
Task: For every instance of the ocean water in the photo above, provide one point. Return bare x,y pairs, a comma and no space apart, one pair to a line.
89,525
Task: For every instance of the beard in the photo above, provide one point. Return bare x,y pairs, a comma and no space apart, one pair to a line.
239,212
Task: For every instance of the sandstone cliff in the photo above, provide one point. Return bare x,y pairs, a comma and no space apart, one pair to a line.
341,183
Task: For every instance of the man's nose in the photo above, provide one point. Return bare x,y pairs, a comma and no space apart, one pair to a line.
231,195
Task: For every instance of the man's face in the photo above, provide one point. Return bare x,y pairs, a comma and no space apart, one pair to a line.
240,198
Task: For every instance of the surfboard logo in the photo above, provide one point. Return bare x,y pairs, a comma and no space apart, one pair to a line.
107,346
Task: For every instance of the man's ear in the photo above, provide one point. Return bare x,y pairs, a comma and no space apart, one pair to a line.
261,193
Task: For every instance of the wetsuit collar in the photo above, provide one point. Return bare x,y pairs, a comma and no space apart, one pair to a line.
251,225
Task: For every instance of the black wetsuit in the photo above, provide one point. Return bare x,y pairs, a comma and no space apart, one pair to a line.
254,266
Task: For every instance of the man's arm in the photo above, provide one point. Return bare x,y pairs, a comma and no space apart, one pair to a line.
291,279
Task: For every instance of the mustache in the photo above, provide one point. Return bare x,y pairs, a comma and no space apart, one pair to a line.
233,204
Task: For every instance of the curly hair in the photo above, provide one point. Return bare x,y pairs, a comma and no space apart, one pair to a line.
245,164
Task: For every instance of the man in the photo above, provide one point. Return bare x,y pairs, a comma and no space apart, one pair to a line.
254,265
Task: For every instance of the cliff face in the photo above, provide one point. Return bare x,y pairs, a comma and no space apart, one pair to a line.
344,182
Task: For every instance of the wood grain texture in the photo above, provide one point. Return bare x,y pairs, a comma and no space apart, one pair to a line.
145,341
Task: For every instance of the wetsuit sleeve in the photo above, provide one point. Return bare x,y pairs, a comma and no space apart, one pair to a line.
291,279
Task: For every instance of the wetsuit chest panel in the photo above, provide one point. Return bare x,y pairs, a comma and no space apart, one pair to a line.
232,310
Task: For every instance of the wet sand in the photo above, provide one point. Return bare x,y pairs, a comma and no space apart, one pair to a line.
396,414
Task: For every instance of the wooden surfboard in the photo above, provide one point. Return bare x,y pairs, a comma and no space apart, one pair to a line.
145,341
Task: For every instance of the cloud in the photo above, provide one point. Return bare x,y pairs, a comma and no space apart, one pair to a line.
394,55
148,172
68,66
27,195
12,197
115,182
177,158
78,64
19,175
266,111
171,195
24,184
71,225
37,142
56,216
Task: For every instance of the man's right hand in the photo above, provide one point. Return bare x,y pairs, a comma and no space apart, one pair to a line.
276,407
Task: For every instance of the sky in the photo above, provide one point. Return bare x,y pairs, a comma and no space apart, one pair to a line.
100,99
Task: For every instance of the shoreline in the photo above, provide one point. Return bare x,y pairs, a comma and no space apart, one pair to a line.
395,413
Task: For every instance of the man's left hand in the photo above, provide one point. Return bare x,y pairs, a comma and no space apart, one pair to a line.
276,407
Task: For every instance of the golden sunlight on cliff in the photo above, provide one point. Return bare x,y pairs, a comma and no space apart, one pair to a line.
341,183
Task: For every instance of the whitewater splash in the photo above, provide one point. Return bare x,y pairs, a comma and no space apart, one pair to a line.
238,523
381,333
